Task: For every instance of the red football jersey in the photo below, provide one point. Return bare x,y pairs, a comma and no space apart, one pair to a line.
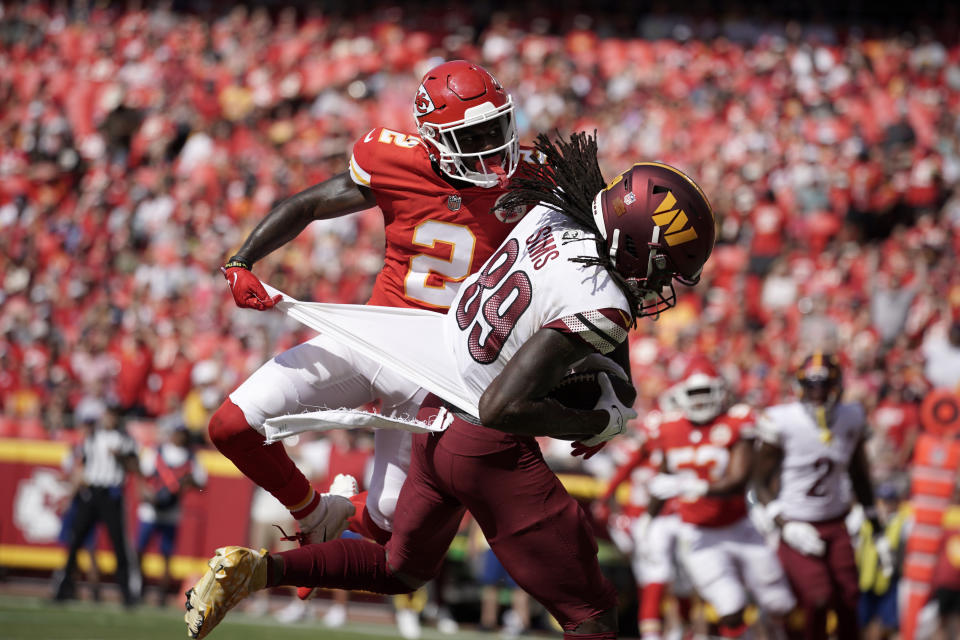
705,449
436,234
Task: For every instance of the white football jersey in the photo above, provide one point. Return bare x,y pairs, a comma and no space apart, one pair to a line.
814,483
530,283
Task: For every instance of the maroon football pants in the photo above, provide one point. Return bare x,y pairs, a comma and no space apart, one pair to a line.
539,533
825,582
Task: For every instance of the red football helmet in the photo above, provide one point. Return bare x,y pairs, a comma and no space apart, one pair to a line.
658,225
820,379
701,393
464,113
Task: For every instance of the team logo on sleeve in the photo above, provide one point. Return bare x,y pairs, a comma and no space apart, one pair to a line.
422,104
508,216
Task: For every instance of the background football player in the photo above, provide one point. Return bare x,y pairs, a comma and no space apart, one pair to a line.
514,331
813,450
707,458
439,192
650,542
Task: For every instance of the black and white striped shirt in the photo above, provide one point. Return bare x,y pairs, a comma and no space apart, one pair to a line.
102,455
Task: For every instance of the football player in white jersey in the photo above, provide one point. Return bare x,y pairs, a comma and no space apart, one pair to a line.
813,449
566,284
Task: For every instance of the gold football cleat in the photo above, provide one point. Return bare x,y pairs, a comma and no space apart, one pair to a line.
234,573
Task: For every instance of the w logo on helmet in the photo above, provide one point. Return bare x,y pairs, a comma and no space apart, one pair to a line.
678,232
422,104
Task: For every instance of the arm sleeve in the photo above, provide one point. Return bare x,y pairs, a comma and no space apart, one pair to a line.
361,159
623,473
767,430
602,329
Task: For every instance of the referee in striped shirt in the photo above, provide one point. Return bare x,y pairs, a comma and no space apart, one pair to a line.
105,456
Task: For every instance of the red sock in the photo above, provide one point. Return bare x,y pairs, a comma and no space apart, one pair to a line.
651,595
268,466
361,522
339,564
733,632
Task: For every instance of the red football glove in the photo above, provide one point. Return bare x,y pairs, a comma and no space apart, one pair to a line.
580,449
246,288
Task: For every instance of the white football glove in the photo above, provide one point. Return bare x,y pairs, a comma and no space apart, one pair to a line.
670,485
619,413
884,555
803,537
763,516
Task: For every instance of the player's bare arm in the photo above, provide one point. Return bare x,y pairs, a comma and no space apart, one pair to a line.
737,475
330,199
516,400
766,469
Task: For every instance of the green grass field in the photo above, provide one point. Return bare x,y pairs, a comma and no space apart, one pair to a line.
23,618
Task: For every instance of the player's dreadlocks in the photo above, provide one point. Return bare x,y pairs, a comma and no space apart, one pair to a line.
567,181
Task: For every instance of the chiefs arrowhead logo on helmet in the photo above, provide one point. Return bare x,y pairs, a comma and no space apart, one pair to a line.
422,104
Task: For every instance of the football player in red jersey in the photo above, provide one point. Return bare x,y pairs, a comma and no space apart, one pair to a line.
439,194
651,542
707,457
514,332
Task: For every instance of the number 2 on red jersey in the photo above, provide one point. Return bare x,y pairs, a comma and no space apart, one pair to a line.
433,280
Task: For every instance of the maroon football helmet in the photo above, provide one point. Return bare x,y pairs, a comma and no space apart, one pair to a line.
658,226
465,115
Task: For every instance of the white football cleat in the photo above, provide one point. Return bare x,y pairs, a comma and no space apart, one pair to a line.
330,517
408,623
335,617
234,573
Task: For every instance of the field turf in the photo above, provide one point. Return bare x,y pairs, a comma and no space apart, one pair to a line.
23,618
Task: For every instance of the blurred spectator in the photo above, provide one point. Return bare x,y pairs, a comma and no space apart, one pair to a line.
107,454
167,472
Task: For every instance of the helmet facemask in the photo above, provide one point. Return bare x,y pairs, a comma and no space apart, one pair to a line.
701,398
483,148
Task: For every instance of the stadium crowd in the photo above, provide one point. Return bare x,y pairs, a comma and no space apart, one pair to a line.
139,146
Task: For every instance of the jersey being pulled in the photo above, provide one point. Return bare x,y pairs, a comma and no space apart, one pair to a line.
527,284
705,450
814,484
436,234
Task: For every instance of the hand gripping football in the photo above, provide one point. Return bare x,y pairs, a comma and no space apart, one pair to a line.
581,389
